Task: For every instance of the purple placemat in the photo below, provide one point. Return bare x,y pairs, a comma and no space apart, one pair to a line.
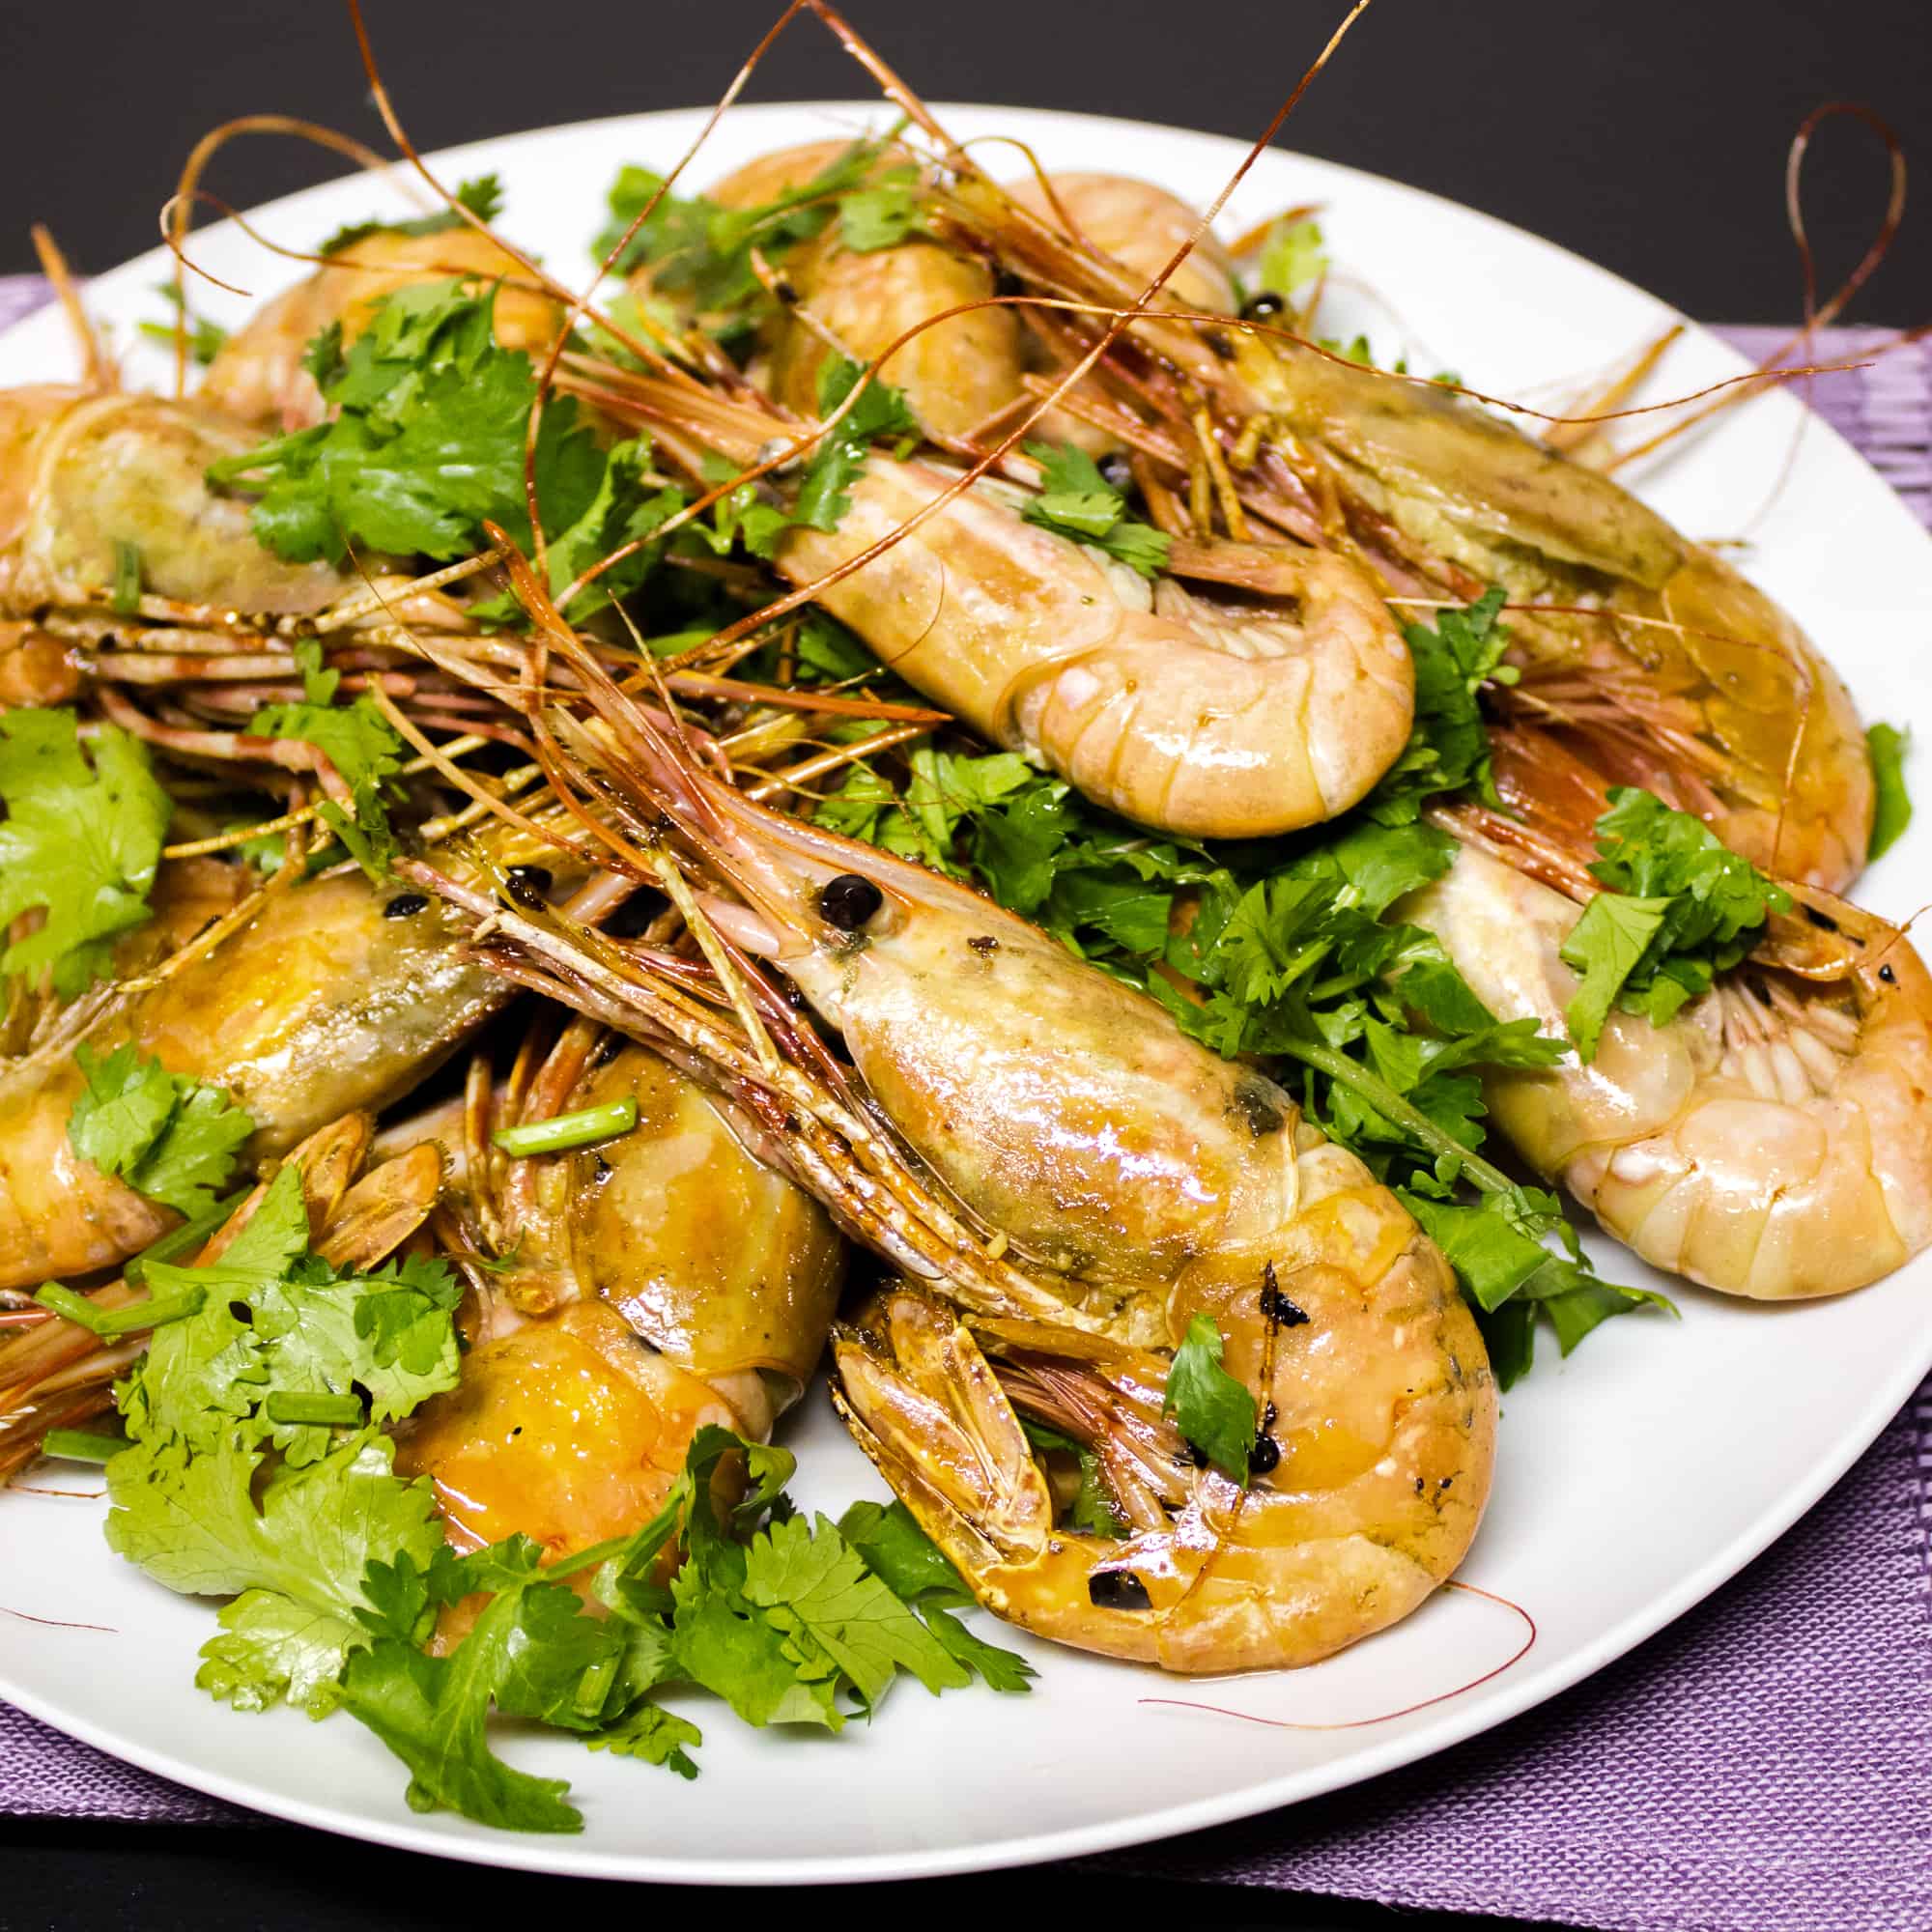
1764,1765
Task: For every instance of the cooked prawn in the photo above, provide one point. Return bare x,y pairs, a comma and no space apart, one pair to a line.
1628,634
1125,1180
330,997
1260,709
659,1281
1770,1140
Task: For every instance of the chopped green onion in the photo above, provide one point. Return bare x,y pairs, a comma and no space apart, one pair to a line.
127,579
108,1322
594,1685
82,1445
189,1235
569,1130
320,1412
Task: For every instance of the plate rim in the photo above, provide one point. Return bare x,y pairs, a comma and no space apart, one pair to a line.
446,1836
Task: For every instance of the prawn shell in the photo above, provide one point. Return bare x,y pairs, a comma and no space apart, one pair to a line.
721,1264
568,1430
104,471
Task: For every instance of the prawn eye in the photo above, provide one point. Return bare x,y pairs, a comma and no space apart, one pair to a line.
849,901
1263,307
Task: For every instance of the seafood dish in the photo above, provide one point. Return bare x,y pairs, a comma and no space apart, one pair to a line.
915,792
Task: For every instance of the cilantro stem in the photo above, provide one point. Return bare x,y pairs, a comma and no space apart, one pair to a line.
127,599
82,1445
189,1235
563,1132
1391,1105
286,1406
109,1322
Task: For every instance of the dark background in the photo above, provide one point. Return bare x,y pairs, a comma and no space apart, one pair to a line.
1648,134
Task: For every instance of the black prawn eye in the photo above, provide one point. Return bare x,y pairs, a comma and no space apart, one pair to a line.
849,901
1263,307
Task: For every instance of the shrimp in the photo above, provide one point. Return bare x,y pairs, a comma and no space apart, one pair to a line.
956,374
1650,647
1123,1179
330,997
257,376
55,1375
1770,1140
661,1282
1241,712
84,475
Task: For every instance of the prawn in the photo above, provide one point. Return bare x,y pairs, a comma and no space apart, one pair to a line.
329,997
1271,695
660,1282
1768,1140
955,373
1643,644
1101,1175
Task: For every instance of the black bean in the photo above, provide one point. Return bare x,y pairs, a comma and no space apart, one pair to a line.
1117,1590
404,905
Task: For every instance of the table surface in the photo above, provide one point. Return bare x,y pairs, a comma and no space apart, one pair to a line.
1417,95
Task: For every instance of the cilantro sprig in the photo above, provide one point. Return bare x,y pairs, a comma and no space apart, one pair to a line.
1681,908
702,251
426,441
1076,500
172,1138
80,842
256,1468
879,411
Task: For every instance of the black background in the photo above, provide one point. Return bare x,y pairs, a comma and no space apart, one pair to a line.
1648,134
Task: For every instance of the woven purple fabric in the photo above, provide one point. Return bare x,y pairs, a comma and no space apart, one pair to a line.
1765,1765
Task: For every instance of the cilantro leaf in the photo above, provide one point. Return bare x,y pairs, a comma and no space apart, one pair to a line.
1212,1409
274,1650
652,1733
1681,908
204,337
880,410
813,1585
190,1518
358,741
174,1139
432,1711
1888,745
80,841
1092,1508
881,214
1076,502
1448,746
483,197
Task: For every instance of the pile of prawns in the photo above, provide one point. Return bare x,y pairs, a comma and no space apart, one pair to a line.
829,1045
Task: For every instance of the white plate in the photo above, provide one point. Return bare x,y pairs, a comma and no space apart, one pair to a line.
1633,1480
